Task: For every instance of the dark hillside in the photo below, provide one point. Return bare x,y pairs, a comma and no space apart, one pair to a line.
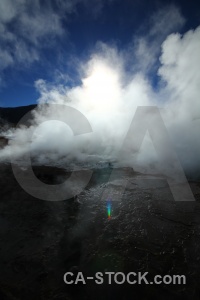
14,114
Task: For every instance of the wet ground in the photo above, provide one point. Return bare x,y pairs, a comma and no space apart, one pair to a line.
147,232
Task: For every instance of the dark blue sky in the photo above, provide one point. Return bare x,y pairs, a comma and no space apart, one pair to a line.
46,39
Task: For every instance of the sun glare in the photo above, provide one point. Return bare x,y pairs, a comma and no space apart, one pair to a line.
101,88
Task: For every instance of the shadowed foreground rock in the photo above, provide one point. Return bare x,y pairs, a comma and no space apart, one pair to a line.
3,142
148,232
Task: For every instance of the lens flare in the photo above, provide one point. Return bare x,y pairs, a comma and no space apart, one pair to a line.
109,209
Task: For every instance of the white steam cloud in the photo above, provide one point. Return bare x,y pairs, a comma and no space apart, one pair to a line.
109,96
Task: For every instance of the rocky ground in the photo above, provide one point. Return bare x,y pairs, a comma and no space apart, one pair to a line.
148,232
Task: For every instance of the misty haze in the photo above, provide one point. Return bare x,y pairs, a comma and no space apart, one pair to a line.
99,147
